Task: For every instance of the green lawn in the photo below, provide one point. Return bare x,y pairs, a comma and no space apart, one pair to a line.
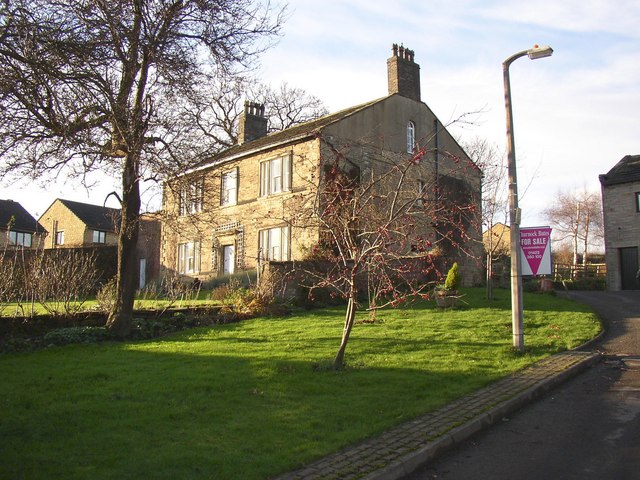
252,399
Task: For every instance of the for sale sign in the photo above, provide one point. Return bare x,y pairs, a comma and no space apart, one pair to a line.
535,250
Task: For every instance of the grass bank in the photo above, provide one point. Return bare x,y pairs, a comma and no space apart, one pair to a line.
252,399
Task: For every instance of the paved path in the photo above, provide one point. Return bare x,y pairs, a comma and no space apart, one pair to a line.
588,429
402,449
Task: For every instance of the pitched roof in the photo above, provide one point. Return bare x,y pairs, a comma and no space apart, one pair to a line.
19,219
626,170
283,136
94,216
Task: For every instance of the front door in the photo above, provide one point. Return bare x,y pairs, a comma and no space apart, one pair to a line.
629,268
228,259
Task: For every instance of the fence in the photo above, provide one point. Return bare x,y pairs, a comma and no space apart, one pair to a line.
565,271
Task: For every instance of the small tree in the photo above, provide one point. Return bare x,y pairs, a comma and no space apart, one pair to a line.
452,282
389,220
494,198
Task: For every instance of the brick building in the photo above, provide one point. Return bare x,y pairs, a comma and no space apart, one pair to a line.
76,224
621,213
82,225
240,207
18,228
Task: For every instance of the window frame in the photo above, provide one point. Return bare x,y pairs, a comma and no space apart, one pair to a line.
411,137
233,179
17,239
421,186
191,197
59,240
266,243
188,261
101,236
637,196
276,175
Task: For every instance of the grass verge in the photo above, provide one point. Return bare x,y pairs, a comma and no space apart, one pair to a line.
247,400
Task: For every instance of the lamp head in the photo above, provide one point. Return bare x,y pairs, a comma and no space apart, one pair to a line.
539,52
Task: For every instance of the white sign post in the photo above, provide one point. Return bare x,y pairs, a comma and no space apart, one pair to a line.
535,250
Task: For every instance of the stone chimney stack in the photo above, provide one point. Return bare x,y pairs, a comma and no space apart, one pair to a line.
403,73
253,123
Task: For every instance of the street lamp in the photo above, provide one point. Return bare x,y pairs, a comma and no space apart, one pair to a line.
514,212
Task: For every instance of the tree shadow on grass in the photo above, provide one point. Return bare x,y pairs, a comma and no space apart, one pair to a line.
125,412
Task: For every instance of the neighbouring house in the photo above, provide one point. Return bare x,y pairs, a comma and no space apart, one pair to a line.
497,240
235,211
82,225
18,229
76,224
621,213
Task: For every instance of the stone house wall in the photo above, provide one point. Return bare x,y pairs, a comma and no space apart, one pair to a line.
622,227
217,226
58,218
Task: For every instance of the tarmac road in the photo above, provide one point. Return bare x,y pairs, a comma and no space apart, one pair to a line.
588,428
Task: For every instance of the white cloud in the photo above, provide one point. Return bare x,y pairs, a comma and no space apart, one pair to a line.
575,113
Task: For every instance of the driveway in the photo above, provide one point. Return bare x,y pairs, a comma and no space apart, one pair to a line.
588,428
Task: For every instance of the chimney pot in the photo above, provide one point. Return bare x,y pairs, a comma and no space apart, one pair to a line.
252,122
403,73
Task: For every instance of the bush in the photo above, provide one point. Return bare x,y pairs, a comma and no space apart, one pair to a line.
452,281
146,328
321,297
71,335
106,296
596,283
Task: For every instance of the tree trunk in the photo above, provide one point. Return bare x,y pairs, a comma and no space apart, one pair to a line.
576,232
349,320
585,246
490,264
120,319
489,276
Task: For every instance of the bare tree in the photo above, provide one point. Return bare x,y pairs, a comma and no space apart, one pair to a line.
388,220
287,106
576,217
218,107
91,85
494,198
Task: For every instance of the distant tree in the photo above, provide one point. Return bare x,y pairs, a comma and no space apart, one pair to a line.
494,199
287,106
576,217
220,104
91,85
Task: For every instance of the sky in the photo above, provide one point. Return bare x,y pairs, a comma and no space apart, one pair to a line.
576,113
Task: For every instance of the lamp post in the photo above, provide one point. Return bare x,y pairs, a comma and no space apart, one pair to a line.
514,211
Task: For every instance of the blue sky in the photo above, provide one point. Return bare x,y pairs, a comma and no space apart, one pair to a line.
576,113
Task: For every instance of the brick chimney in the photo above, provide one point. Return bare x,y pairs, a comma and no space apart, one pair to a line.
252,124
403,73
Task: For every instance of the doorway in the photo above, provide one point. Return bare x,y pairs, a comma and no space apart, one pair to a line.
629,268
143,273
228,259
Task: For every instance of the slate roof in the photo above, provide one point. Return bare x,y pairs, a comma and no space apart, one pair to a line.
626,170
284,136
94,216
21,220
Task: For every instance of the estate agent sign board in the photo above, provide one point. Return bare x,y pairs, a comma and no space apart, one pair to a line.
535,250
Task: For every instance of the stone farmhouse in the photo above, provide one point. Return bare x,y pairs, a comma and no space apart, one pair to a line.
621,213
239,209
18,229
